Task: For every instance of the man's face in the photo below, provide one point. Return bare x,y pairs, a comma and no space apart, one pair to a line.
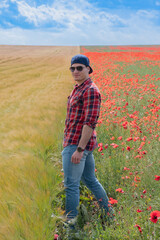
80,76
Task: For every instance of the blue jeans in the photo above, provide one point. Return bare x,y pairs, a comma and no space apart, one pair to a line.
74,173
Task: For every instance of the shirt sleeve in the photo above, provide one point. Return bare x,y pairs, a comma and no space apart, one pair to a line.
92,102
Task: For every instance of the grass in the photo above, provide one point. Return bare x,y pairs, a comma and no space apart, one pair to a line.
34,84
127,159
32,112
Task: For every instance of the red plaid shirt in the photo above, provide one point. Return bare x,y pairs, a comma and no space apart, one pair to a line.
82,109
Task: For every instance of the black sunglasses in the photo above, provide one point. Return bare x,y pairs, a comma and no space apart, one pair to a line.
79,68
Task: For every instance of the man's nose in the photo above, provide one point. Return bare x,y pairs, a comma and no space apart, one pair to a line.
75,70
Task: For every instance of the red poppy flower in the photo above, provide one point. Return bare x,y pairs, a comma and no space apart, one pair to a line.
131,115
125,168
157,178
144,152
139,228
100,149
149,208
100,144
114,145
141,145
129,139
137,179
106,146
127,177
119,190
138,210
128,148
120,138
112,201
56,236
144,138
124,124
154,216
135,139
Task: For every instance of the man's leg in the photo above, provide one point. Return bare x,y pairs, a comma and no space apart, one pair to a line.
72,177
90,180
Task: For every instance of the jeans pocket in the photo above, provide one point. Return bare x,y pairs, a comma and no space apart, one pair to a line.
63,151
69,149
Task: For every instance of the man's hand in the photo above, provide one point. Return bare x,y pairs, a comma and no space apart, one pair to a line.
76,157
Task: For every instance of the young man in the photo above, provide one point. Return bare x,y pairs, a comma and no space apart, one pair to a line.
80,137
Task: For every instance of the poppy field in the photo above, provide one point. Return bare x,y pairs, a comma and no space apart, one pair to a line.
128,154
34,84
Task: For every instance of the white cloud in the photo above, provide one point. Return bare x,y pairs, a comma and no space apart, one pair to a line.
61,12
93,35
13,36
82,23
157,3
3,4
66,13
152,14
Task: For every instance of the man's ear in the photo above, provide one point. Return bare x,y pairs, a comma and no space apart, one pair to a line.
88,69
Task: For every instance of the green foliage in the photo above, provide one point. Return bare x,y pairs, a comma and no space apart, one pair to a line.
130,166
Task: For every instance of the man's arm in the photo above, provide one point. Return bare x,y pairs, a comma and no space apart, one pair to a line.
86,135
91,101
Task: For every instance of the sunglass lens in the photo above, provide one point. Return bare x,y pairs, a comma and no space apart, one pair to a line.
80,68
72,69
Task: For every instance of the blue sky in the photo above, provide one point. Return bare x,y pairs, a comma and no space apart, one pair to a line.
80,22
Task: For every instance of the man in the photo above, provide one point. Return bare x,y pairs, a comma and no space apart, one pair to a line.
80,137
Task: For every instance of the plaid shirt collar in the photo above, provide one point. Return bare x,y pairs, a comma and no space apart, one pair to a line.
86,82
